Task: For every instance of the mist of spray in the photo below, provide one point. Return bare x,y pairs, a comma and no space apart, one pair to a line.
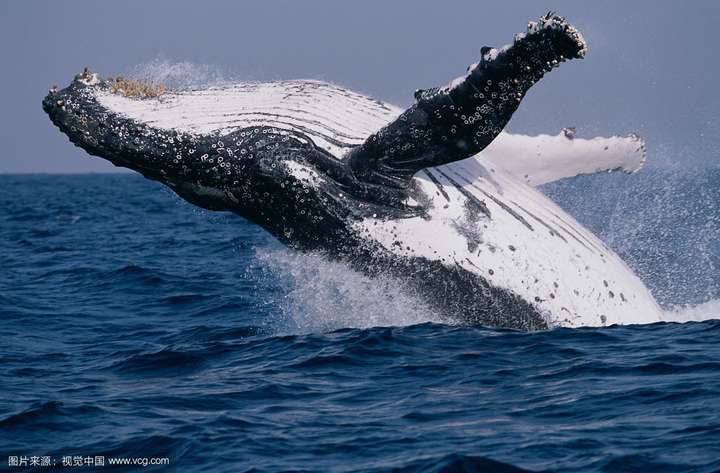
180,75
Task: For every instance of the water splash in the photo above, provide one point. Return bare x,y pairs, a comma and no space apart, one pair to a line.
662,221
709,310
319,295
180,75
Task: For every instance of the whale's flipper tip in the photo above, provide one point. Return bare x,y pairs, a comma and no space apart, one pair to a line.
554,22
459,120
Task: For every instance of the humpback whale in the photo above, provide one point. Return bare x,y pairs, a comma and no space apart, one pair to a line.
437,195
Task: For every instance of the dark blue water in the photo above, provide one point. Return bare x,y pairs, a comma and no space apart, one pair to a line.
134,325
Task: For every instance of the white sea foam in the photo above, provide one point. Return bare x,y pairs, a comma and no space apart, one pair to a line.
320,295
694,313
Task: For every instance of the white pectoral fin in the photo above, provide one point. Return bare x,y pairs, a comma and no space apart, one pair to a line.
537,160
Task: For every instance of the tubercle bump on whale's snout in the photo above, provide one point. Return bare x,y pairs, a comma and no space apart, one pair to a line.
56,101
75,111
53,102
54,105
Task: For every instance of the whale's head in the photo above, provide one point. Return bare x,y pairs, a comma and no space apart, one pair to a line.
213,170
79,112
264,173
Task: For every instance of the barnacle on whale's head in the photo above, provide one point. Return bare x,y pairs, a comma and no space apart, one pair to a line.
136,88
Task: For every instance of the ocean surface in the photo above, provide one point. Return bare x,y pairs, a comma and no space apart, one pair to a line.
136,326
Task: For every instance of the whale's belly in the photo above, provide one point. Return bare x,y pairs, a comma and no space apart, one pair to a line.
491,224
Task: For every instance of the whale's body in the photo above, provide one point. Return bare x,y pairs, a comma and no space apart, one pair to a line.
329,170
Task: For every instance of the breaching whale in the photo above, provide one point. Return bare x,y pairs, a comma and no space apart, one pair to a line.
436,195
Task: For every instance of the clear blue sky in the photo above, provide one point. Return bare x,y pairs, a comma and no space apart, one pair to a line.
652,65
